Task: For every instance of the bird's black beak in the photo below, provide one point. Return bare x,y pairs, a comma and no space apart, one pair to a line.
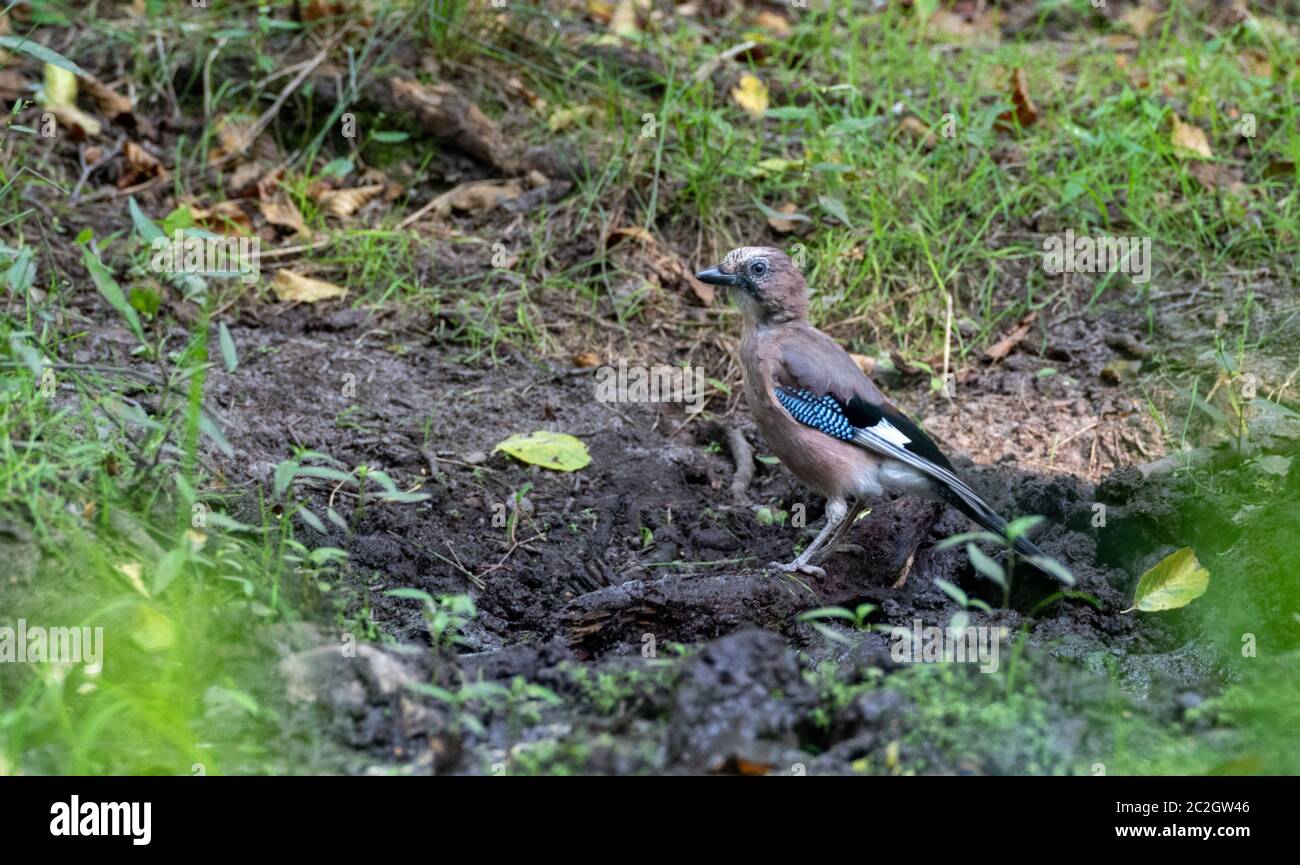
713,276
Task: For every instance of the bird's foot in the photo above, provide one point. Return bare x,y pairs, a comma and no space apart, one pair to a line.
798,567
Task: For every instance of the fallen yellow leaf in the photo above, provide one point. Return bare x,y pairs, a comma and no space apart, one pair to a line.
566,117
291,286
61,100
60,86
751,95
600,11
623,20
132,570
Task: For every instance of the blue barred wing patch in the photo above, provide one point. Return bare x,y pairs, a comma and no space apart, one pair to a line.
821,413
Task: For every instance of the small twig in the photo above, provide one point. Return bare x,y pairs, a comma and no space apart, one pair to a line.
437,555
743,455
708,67
516,545
271,113
294,250
110,192
87,170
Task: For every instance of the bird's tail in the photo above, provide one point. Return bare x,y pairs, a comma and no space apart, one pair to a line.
964,499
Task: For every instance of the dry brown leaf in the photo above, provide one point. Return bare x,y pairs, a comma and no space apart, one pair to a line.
866,364
744,766
1256,63
141,165
751,95
392,189
345,202
796,223
634,232
623,20
773,22
945,25
315,10
113,104
445,112
281,212
661,263
703,292
1138,19
1026,113
601,11
78,123
1189,137
519,90
12,85
480,196
243,182
1116,41
290,286
1003,347
224,217
238,138
1214,177
918,131
269,184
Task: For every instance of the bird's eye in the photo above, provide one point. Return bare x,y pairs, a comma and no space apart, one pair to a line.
757,267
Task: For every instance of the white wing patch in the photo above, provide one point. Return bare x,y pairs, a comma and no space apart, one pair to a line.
890,433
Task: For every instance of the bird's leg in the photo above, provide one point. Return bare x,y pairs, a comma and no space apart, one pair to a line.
835,544
835,511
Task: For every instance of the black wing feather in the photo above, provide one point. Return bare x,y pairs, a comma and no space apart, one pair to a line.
860,422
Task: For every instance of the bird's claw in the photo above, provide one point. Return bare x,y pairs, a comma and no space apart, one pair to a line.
857,549
798,567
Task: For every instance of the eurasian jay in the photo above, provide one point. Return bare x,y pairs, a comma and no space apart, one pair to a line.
823,417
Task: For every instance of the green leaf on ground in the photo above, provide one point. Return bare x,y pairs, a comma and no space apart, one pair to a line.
112,292
551,450
227,347
1175,581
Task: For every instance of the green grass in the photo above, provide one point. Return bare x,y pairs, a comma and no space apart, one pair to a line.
183,591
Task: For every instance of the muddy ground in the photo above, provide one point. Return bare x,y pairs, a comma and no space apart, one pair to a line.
635,590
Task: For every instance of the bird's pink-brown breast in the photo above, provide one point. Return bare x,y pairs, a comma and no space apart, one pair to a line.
833,468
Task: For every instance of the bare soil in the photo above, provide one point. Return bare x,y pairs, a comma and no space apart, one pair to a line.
611,567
